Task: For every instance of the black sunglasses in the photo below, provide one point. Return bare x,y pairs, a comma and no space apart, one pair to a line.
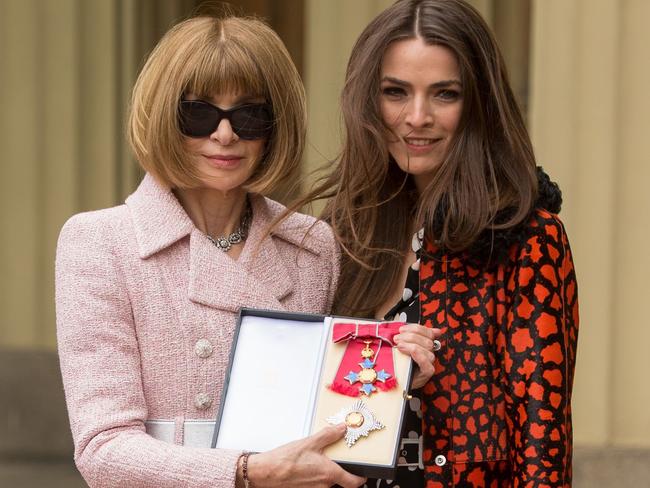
199,118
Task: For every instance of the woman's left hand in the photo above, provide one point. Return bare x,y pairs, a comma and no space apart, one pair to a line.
417,341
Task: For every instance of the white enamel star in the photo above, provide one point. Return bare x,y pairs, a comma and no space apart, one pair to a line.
358,418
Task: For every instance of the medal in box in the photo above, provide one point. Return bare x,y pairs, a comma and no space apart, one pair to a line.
292,374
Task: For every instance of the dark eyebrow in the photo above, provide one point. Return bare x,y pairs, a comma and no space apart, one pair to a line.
438,84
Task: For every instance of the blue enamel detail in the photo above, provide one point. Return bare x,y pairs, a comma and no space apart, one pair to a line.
352,377
382,376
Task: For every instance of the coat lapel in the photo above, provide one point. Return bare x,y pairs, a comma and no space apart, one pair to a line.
158,219
259,278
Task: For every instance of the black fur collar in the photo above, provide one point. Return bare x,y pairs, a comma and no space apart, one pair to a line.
492,247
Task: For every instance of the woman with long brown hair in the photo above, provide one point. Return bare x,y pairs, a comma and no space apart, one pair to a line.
437,187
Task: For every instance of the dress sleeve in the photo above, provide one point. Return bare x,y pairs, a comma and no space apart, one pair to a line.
540,357
100,365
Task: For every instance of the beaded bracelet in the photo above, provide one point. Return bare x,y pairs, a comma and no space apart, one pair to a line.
244,470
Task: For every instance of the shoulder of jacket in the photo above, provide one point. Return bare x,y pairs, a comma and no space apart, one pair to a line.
94,225
300,229
545,223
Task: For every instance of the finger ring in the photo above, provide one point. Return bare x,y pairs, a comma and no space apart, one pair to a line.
436,345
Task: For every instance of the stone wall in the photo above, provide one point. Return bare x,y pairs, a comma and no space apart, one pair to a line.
33,417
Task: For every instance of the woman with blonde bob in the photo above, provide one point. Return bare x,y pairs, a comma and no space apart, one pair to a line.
147,292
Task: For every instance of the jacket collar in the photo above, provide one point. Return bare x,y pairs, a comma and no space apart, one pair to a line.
258,277
492,247
159,220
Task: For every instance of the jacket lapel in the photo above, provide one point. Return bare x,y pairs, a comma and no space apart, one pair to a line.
158,219
259,278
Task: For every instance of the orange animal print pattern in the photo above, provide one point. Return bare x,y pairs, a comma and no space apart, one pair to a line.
497,412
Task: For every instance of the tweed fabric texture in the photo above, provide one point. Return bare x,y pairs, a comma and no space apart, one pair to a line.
137,287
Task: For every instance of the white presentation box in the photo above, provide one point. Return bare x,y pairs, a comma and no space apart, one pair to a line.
277,390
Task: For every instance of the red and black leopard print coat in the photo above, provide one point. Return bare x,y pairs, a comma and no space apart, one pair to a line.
497,412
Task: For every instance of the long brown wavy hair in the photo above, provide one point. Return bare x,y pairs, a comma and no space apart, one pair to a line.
487,181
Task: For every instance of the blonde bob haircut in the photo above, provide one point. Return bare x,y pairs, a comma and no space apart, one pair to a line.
207,56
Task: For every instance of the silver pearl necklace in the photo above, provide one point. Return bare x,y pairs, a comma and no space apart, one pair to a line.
224,243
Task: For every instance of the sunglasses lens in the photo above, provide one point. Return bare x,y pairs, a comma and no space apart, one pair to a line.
252,121
200,119
197,118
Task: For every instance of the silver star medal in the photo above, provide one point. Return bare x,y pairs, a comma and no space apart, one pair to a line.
358,418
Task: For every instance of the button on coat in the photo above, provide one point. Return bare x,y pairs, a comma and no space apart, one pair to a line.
203,401
203,348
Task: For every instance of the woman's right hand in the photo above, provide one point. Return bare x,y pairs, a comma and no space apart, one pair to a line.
301,464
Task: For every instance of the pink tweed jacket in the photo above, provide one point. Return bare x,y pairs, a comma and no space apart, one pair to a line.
146,308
